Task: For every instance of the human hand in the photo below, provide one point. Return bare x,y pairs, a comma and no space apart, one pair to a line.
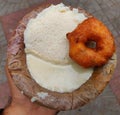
21,105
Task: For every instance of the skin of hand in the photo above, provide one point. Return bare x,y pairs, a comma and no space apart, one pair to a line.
21,105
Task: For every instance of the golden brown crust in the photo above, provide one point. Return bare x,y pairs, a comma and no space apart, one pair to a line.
91,30
16,61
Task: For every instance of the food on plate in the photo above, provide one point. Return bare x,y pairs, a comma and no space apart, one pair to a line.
91,30
47,49
38,60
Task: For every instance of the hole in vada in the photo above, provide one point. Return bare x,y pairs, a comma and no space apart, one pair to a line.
91,44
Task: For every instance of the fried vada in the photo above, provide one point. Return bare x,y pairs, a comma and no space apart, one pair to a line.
91,30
